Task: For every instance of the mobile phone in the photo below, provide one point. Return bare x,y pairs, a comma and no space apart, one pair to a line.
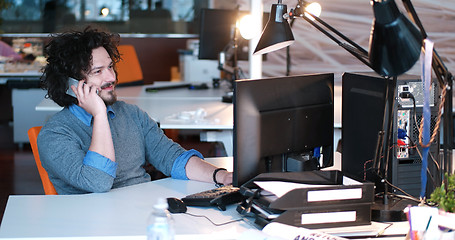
74,82
71,82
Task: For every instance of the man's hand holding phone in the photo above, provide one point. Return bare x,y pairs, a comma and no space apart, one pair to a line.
87,96
74,82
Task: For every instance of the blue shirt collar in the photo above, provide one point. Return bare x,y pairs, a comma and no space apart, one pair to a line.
86,117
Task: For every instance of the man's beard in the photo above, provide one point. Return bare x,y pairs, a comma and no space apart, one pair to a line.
111,97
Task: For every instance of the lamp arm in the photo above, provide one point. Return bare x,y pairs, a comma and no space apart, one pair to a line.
414,17
353,48
288,49
354,44
441,71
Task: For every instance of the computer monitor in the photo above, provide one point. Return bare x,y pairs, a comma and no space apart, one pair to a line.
364,99
281,119
216,32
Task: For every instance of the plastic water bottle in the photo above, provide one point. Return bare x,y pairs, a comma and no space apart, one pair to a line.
160,224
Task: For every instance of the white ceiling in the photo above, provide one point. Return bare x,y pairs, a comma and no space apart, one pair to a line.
313,52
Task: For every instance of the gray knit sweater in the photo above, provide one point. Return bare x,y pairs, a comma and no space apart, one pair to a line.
64,141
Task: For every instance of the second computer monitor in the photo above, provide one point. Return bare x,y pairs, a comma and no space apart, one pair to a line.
216,33
275,118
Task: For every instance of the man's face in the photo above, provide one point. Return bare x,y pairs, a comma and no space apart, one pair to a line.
102,75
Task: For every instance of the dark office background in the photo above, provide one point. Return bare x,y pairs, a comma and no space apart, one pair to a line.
311,53
123,16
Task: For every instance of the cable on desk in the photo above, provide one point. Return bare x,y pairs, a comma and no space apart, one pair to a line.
381,233
216,224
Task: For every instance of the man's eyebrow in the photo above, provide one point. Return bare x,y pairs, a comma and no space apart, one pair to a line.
100,67
96,68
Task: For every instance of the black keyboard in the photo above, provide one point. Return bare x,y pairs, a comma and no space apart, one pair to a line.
219,197
174,86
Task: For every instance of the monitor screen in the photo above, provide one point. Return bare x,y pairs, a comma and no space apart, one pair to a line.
284,121
216,32
364,99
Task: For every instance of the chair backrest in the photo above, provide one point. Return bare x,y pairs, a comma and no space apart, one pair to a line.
128,69
47,184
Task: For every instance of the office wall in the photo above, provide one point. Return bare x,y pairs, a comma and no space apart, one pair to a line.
313,52
156,54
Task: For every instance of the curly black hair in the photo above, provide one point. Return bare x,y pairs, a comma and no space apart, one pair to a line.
69,54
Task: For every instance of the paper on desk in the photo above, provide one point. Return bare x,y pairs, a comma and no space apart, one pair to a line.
375,229
198,116
188,116
256,234
288,232
279,188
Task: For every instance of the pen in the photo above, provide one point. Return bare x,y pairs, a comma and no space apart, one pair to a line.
426,228
383,230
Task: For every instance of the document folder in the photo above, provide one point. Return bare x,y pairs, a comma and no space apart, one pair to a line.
329,204
327,216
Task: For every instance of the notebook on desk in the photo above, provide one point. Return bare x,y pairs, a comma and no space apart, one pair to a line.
167,87
177,86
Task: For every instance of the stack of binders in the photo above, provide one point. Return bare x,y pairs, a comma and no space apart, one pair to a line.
317,199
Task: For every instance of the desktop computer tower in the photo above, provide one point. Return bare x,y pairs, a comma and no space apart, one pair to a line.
363,107
407,160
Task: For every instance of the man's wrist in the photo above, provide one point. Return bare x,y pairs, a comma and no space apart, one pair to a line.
215,173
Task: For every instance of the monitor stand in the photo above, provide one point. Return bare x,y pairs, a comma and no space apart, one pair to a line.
228,97
392,211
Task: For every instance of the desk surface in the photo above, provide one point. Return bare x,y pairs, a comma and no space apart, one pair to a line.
164,105
122,214
119,213
19,76
170,106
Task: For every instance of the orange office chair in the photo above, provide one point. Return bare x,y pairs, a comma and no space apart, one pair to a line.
129,70
47,184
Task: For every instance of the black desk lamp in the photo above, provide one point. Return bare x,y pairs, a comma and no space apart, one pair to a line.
277,33
230,53
395,45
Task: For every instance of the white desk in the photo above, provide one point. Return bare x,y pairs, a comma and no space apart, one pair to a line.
119,214
25,94
164,105
122,214
19,76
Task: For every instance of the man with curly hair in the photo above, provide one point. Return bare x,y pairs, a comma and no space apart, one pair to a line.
97,143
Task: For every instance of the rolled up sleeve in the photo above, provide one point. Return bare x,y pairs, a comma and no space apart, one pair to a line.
178,168
100,162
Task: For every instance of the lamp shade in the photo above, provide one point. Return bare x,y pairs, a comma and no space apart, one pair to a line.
395,43
277,33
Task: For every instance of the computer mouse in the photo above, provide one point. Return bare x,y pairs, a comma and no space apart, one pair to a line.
176,205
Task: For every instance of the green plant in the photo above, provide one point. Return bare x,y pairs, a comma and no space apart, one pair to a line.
445,199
